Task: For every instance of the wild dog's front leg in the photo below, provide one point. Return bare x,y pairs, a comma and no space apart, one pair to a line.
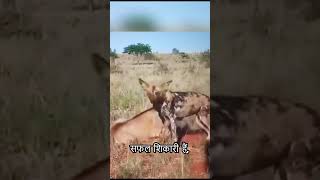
165,111
165,130
173,128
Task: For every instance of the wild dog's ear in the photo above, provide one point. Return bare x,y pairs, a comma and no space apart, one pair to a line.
143,84
165,86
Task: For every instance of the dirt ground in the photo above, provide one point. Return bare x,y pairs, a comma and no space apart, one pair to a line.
125,164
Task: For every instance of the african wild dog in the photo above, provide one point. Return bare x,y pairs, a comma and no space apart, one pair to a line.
255,132
174,106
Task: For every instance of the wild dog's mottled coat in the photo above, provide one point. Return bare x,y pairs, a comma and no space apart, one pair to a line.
183,104
175,106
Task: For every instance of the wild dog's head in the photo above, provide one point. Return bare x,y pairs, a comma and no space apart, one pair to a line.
156,94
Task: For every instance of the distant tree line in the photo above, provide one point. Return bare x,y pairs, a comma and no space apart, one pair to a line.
145,49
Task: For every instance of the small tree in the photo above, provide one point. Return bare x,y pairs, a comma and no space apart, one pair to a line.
175,51
138,49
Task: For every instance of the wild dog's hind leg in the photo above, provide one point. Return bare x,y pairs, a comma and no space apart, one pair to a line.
203,120
203,126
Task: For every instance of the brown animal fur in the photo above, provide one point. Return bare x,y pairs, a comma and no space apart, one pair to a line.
143,126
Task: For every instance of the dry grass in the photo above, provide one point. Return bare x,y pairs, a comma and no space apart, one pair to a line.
128,99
